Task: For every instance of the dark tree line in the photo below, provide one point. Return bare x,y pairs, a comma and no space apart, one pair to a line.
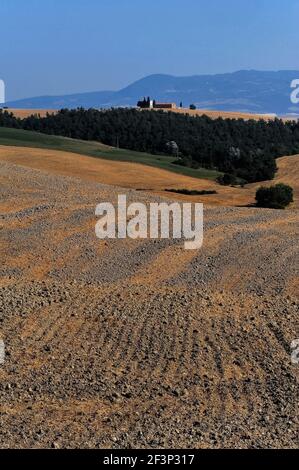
245,149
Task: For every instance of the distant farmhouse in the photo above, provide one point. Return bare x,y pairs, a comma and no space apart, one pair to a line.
147,103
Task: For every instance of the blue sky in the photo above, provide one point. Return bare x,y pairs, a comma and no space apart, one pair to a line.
67,46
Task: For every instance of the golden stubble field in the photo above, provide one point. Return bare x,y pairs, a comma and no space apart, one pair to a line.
23,113
222,114
137,176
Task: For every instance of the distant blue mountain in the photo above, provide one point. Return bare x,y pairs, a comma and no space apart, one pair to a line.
244,91
86,100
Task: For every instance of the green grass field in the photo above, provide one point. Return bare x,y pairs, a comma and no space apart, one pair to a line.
21,138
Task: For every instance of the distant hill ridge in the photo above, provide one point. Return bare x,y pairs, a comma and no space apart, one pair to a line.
244,91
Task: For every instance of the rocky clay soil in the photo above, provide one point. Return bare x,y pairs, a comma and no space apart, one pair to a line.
142,344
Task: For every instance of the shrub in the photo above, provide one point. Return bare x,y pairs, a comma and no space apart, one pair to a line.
192,192
227,179
275,197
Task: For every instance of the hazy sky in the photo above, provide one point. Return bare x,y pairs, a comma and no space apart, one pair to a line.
67,46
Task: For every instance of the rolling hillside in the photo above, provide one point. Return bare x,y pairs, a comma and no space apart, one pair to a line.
21,138
140,343
128,174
